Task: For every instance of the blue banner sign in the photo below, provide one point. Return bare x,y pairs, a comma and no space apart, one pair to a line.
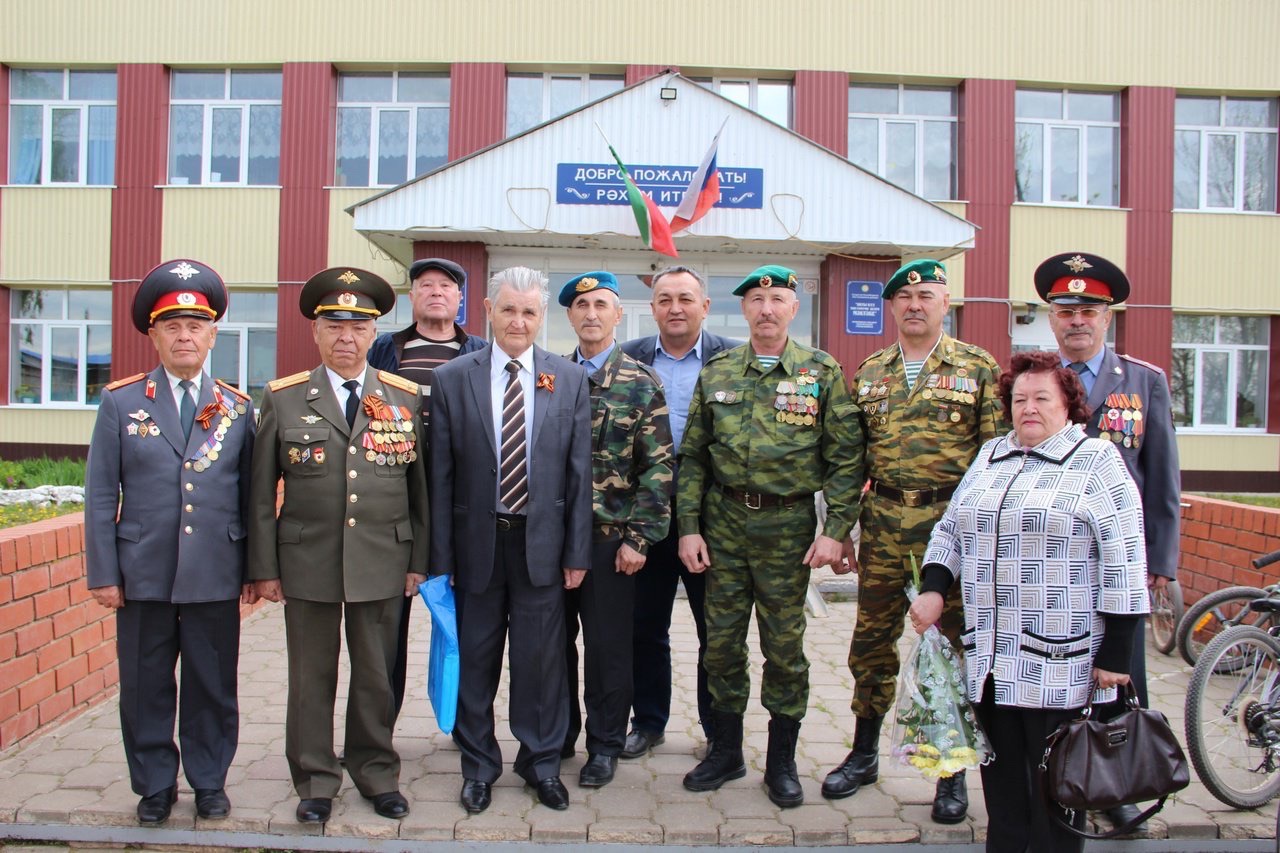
864,308
601,183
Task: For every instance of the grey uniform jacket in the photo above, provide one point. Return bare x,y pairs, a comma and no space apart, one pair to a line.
180,536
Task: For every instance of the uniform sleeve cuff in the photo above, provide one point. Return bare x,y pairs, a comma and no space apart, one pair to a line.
1116,650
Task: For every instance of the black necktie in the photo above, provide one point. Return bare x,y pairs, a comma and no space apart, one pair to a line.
353,399
187,411
514,485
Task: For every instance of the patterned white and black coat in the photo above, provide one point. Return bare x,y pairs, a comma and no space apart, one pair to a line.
1045,541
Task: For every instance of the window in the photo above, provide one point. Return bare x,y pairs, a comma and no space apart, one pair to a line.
244,355
62,127
1224,154
1220,371
224,128
769,98
907,135
391,127
1067,147
60,346
535,98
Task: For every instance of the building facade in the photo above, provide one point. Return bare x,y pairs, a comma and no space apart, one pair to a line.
271,140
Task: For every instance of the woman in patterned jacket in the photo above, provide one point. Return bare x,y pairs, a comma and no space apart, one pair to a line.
1045,534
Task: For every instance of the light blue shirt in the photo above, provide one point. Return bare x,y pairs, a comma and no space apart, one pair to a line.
679,376
596,361
1093,366
497,389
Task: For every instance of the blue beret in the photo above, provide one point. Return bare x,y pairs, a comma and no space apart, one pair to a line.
587,282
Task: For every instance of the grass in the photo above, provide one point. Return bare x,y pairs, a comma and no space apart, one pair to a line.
1272,501
30,473
13,516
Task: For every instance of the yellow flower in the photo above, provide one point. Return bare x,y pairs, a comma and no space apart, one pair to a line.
930,749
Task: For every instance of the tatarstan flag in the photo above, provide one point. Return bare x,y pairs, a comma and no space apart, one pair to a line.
655,231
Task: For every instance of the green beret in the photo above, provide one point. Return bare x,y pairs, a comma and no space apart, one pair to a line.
916,272
769,275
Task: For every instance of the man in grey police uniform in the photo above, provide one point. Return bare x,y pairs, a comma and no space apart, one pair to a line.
350,543
170,455
1129,405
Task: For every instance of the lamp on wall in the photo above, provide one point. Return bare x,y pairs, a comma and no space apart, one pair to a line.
667,93
1028,316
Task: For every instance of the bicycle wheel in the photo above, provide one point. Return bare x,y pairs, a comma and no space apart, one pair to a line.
1233,717
1207,618
1166,613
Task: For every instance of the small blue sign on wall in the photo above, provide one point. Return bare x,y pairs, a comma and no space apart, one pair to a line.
462,309
864,308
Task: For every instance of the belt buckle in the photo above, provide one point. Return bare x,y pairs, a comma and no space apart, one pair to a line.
914,497
746,500
504,524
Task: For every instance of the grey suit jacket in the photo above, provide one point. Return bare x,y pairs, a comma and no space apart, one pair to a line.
464,472
180,536
643,349
1153,464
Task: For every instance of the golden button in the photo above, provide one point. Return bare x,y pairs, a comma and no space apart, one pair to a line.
186,465
189,487
187,530
351,522
352,474
189,508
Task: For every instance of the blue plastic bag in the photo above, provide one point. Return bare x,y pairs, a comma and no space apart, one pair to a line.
442,670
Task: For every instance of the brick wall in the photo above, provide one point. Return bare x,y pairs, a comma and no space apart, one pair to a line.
1218,541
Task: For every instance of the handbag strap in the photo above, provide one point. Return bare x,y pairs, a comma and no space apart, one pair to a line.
1054,814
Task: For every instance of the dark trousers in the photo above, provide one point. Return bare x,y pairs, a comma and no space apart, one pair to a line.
151,637
604,603
400,666
539,707
1017,815
313,631
651,641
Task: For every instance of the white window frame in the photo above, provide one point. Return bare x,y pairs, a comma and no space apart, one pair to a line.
46,130
1200,350
376,111
1238,133
47,326
884,119
206,130
753,97
1081,126
240,328
545,113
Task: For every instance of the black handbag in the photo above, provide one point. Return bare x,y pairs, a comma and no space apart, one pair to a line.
1089,764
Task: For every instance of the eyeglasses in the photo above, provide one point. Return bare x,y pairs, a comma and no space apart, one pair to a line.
1086,313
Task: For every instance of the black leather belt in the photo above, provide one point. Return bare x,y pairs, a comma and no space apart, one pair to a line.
757,500
510,522
913,497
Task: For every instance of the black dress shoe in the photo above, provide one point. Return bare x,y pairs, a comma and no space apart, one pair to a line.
640,742
391,804
950,799
1122,815
552,794
598,771
155,809
314,809
476,795
212,803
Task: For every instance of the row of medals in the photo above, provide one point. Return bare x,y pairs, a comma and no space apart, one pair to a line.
1122,422
797,402
208,452
389,442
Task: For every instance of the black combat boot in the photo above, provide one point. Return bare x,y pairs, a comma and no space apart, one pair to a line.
861,766
724,757
780,763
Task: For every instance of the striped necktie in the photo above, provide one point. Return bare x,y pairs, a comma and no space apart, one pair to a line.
514,485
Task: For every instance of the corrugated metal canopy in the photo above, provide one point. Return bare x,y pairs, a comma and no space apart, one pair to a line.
806,200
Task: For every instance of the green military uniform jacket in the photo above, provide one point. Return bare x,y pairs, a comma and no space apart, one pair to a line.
354,518
632,458
790,431
927,436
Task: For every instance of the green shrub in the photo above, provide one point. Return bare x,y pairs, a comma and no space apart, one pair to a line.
30,473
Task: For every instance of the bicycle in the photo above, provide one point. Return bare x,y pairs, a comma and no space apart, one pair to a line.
1222,609
1166,615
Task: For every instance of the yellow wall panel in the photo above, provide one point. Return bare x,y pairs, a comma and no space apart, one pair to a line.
346,246
1229,452
1211,250
56,235
1039,231
955,263
1183,43
47,426
233,230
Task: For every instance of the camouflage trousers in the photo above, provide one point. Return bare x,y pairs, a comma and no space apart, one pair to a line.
756,559
891,533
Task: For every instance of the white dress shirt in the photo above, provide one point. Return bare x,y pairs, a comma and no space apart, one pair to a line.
342,393
178,392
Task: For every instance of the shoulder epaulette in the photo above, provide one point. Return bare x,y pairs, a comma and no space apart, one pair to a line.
396,381
233,389
128,380
1148,365
289,381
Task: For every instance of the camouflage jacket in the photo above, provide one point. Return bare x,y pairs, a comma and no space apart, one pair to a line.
926,437
631,453
790,431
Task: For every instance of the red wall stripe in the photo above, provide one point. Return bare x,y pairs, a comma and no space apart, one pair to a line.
850,350
986,166
307,128
822,108
472,257
636,73
477,106
137,204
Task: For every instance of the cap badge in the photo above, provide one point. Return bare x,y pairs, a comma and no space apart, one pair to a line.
1076,285
185,298
1078,264
939,273
766,281
913,277
348,278
347,300
184,271
586,284
791,280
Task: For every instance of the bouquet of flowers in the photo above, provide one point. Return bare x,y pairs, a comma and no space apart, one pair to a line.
935,729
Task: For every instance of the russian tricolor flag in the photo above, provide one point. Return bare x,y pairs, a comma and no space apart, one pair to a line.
703,191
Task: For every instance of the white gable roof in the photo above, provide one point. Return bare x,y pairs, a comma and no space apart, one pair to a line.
811,201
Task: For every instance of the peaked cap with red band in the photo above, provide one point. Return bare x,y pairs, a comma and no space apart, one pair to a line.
1079,278
179,288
